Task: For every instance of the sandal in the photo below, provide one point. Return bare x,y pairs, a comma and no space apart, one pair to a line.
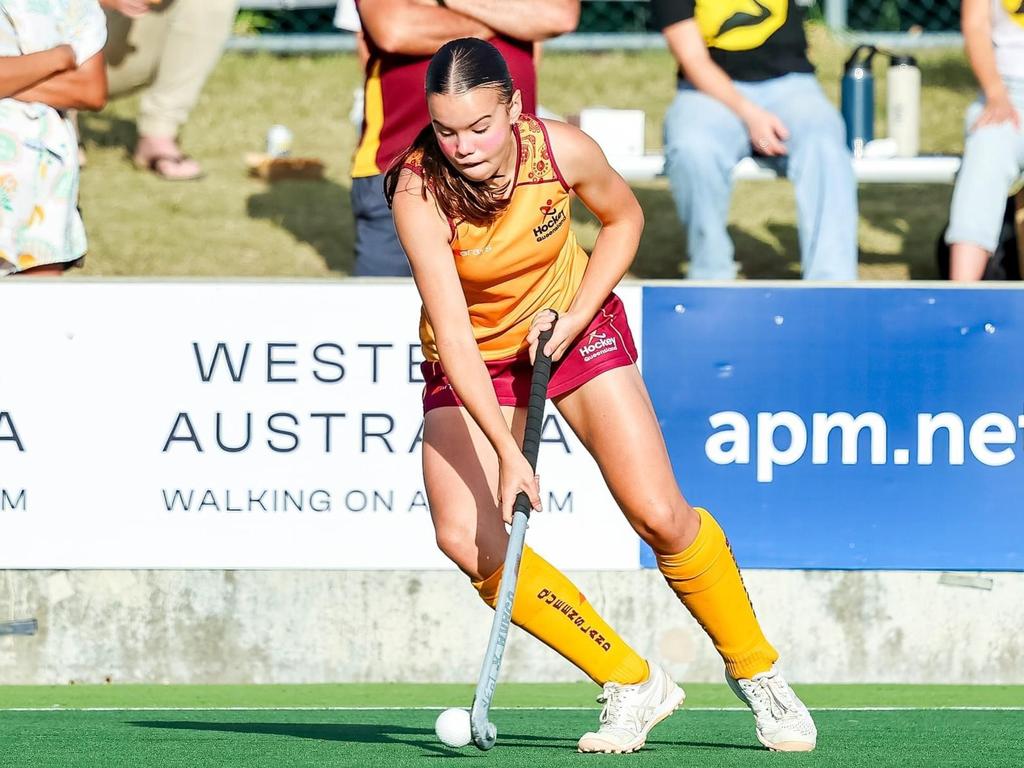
153,164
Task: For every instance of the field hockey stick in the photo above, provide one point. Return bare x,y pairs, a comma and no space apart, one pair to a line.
484,731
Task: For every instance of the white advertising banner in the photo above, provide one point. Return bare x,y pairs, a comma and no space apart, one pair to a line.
242,425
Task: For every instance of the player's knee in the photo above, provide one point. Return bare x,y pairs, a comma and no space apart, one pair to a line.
664,523
456,542
478,556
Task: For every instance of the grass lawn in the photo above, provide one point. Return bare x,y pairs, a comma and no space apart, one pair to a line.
392,725
230,225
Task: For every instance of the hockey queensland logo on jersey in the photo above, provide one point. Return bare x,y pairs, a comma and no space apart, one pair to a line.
1015,10
552,219
740,25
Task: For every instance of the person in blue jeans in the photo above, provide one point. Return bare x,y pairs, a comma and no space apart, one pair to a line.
994,149
745,86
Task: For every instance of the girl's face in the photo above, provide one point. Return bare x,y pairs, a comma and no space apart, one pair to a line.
474,130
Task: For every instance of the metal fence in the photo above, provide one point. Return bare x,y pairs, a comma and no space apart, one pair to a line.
302,26
307,26
905,23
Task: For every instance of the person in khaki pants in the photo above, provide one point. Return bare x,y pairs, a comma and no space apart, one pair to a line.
168,48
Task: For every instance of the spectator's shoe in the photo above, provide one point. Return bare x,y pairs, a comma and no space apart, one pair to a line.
631,711
782,721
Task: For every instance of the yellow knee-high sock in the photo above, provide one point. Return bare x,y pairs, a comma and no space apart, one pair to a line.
706,580
553,610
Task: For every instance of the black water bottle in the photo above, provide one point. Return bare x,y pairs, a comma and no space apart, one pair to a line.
858,99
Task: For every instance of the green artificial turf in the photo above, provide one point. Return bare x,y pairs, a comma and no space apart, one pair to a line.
526,737
264,732
447,695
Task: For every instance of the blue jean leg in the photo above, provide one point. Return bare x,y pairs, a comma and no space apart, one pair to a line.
704,139
821,169
993,158
378,250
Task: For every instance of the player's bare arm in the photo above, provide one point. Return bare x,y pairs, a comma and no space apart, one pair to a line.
609,198
424,233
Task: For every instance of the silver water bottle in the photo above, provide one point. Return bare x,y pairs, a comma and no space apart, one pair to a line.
904,104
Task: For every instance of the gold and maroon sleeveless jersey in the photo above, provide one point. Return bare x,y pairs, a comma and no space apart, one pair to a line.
395,105
525,261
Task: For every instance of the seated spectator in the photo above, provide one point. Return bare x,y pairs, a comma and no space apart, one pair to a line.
51,60
167,48
401,36
994,149
745,86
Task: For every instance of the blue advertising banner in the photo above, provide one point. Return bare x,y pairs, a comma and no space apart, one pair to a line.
846,427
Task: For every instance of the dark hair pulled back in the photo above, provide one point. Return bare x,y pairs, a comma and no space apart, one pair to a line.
458,67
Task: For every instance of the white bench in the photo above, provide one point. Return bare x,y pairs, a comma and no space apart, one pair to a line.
927,169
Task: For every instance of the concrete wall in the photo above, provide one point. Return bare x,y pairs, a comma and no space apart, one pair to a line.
317,626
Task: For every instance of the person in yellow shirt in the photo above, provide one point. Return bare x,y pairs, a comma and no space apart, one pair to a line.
482,209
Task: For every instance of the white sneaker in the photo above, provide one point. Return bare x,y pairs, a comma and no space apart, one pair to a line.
631,711
782,721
